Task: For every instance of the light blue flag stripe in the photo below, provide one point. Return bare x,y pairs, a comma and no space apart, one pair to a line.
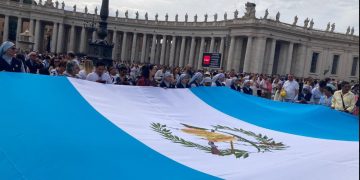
305,120
48,131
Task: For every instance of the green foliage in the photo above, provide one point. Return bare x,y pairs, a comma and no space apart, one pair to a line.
262,144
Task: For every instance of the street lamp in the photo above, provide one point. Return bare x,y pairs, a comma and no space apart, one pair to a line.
100,50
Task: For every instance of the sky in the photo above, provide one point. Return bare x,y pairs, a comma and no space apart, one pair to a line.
343,13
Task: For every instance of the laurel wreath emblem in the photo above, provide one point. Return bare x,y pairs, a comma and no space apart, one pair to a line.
262,143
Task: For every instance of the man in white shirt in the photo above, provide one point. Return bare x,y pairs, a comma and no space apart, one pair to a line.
292,89
99,74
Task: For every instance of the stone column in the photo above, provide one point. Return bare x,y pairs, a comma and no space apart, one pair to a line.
133,47
212,44
302,61
201,52
260,54
54,37
289,58
37,36
60,40
158,49
172,51
31,27
248,55
72,39
182,51
163,48
167,52
153,48
6,28
272,56
94,36
222,43
143,49
231,53
18,29
83,40
116,45
123,47
192,51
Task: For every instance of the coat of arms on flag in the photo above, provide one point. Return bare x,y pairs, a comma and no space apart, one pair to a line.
221,140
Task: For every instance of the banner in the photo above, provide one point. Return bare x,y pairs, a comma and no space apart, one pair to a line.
60,128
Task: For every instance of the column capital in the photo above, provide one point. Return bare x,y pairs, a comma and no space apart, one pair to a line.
261,37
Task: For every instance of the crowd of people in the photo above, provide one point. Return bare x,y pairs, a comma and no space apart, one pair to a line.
338,95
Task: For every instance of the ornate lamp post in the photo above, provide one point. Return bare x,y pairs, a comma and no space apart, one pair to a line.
100,50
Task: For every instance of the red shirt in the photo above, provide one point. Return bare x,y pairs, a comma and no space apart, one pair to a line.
145,82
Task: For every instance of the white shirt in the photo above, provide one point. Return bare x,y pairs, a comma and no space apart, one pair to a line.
158,75
291,87
95,77
228,81
316,95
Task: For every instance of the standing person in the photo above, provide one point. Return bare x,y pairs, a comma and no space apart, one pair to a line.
196,80
71,57
304,97
291,88
123,78
277,95
266,88
34,63
54,63
343,100
8,61
147,76
88,68
113,73
59,70
326,99
317,92
46,66
218,80
257,84
159,74
72,69
189,70
99,74
168,81
183,81
231,77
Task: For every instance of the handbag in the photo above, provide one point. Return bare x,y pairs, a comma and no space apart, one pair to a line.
282,93
342,99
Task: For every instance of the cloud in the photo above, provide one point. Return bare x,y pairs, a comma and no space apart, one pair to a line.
343,13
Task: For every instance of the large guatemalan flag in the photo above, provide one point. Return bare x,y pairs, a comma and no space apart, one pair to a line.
68,129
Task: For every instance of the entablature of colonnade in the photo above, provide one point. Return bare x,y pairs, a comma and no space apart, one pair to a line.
243,26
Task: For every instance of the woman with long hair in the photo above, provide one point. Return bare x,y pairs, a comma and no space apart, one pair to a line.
147,76
88,68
